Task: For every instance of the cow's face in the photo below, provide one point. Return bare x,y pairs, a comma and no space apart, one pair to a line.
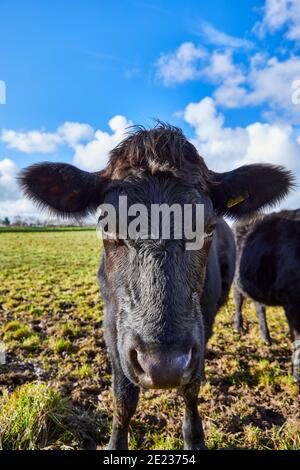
153,286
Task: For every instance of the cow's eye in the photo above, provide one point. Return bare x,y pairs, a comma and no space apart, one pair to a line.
115,242
209,232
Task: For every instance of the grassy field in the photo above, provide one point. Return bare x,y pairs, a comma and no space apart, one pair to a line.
55,387
28,229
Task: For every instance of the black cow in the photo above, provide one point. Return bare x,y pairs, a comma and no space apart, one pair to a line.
268,271
161,299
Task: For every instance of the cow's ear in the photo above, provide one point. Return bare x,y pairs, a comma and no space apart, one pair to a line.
249,188
63,188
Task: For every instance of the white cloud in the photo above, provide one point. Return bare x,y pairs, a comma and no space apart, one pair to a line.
278,14
74,132
32,141
20,207
40,141
94,155
182,65
90,147
191,62
221,146
267,82
259,80
221,68
8,184
12,203
274,81
211,35
225,148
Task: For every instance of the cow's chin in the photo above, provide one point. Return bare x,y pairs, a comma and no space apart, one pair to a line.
149,386
177,385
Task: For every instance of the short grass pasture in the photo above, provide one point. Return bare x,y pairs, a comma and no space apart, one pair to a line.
55,385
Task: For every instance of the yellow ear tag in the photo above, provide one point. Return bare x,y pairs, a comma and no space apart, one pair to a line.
235,201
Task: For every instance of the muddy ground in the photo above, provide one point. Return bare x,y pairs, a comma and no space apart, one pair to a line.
51,326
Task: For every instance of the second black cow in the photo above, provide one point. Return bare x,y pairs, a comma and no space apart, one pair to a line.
268,262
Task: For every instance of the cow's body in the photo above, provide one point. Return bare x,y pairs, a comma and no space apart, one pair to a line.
219,275
267,271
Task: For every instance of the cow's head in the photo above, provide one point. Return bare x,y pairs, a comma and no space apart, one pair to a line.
153,287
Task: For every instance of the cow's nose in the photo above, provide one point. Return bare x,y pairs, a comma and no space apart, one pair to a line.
162,369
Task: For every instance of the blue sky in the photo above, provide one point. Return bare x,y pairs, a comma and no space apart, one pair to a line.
69,60
221,70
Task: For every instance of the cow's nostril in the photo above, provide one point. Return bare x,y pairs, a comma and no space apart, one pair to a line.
133,355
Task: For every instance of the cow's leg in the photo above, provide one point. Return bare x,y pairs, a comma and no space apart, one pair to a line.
263,325
291,332
296,358
238,318
293,316
193,434
291,329
126,396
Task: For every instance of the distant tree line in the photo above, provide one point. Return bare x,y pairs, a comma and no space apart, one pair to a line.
18,221
5,222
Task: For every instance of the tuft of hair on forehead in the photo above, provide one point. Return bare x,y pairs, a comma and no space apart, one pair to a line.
161,149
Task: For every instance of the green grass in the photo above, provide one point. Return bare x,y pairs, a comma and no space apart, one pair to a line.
57,369
33,417
21,336
14,229
84,371
16,330
61,345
